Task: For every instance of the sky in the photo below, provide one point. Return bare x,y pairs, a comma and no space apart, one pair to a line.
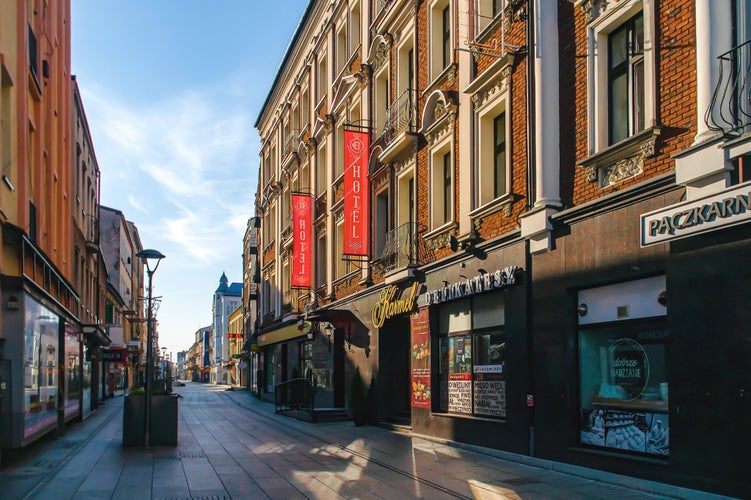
172,89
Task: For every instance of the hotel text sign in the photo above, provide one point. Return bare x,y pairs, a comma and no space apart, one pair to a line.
717,211
501,278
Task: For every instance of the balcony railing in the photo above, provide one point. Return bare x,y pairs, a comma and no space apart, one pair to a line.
730,109
291,140
401,116
404,247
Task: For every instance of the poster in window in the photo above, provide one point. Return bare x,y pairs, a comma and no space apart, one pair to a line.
420,359
460,375
490,398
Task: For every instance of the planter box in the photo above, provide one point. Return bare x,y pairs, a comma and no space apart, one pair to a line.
163,420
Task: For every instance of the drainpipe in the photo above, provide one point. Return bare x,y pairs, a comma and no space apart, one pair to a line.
531,183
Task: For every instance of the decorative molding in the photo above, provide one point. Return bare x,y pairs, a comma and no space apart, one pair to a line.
442,128
402,165
438,241
381,52
499,85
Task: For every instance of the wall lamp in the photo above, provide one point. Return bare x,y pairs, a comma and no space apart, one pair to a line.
12,304
582,309
662,298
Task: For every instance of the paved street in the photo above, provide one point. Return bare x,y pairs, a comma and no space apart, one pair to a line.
232,445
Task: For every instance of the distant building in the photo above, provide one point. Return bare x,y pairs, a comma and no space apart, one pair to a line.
227,298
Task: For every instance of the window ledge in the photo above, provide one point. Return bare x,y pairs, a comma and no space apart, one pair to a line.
501,203
622,160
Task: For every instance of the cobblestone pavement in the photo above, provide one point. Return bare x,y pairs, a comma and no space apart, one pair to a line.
231,445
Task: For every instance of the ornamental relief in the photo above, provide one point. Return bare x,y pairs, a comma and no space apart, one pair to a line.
499,86
381,54
621,170
401,166
439,241
439,131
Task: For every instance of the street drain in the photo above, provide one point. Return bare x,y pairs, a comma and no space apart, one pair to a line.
192,455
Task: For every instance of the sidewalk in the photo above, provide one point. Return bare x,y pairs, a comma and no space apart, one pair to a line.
232,445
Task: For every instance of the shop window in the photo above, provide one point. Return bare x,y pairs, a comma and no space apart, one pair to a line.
306,359
623,376
472,364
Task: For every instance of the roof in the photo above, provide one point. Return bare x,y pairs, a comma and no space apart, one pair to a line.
235,290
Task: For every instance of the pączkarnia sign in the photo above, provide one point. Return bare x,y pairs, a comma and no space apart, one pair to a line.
717,211
501,278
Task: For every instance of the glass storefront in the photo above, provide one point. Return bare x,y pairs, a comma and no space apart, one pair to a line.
623,382
71,386
41,331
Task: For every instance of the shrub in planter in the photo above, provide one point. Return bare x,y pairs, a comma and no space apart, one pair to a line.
358,405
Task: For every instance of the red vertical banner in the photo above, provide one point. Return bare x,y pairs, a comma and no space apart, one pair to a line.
302,239
356,193
420,355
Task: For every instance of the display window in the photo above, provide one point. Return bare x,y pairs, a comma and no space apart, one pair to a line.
71,385
623,386
41,333
472,369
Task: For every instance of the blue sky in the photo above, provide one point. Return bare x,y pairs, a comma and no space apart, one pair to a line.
171,91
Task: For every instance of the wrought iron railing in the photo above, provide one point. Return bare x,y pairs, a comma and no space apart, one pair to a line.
401,116
291,140
295,394
404,247
730,109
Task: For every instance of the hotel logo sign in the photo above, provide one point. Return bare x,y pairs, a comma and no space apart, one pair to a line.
681,220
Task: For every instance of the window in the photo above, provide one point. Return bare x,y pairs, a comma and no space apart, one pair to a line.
626,79
321,183
440,37
382,220
486,11
621,66
381,97
406,67
472,363
354,27
623,385
6,114
320,260
445,37
493,165
441,185
499,156
341,48
322,80
742,170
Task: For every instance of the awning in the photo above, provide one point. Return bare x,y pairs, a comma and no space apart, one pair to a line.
96,335
340,318
288,332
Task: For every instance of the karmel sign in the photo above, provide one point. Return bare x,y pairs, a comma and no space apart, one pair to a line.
302,235
356,189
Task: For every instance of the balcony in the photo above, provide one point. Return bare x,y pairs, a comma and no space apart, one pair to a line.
92,233
403,251
291,141
400,130
730,109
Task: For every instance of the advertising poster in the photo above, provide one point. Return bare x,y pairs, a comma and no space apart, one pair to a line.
420,358
626,430
490,398
460,375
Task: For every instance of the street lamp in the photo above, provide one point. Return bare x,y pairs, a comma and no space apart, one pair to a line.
149,255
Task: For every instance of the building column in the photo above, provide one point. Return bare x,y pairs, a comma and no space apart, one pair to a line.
545,57
713,37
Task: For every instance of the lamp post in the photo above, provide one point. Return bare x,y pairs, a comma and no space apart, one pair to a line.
147,256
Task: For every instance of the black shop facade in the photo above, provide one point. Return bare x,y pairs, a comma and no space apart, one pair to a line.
468,350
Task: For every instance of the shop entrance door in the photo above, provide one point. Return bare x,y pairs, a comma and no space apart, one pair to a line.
394,369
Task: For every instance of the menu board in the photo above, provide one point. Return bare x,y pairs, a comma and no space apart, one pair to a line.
420,358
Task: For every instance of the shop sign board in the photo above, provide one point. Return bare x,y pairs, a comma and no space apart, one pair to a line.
481,283
388,306
114,355
356,189
302,236
717,211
